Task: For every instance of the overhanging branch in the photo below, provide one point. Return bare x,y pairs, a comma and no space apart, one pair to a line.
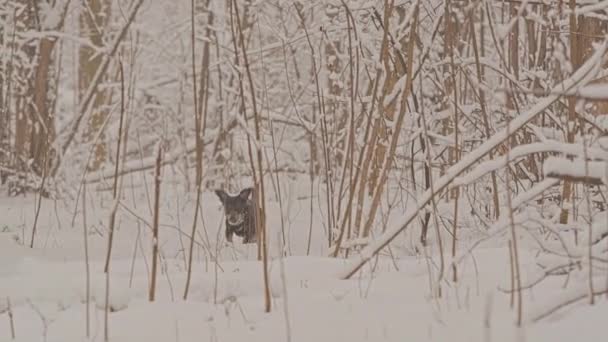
582,75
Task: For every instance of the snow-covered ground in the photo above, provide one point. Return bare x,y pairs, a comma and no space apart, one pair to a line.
389,300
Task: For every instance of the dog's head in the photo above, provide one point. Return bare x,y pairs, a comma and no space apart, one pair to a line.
235,207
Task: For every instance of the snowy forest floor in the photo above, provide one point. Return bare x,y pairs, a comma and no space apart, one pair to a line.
389,300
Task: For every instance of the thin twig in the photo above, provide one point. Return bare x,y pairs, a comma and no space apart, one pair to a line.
155,224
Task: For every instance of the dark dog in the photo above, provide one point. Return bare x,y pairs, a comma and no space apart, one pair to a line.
240,212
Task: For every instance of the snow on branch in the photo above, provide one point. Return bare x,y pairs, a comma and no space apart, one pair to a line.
588,8
586,72
549,146
567,297
535,191
149,162
504,221
575,170
592,92
565,248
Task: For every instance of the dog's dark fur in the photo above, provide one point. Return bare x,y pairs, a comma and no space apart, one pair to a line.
240,212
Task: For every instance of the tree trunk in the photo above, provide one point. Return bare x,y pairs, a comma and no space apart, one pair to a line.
43,132
94,16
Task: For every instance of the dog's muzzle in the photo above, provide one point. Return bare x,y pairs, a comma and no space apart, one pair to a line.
235,219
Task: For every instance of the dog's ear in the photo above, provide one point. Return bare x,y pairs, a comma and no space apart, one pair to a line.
221,194
244,194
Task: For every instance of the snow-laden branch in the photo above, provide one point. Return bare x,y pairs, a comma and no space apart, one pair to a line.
549,146
590,92
584,9
562,247
583,74
504,221
535,191
576,170
567,297
56,34
149,162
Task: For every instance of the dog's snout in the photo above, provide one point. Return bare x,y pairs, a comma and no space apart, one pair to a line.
234,218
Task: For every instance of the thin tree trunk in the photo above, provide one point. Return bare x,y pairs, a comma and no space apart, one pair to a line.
94,15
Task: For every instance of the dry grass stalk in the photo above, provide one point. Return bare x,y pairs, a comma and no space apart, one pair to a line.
455,155
321,107
155,223
259,187
199,153
388,160
39,202
86,262
11,319
515,264
567,191
115,186
123,133
361,178
484,111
